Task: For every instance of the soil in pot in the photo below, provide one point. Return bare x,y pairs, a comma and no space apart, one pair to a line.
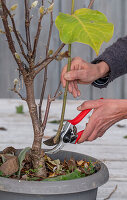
19,166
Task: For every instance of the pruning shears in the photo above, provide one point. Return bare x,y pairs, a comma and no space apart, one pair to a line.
69,133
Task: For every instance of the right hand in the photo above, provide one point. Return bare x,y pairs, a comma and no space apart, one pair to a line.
82,72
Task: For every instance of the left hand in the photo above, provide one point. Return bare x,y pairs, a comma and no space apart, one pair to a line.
106,113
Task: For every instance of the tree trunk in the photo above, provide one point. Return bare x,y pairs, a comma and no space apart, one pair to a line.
37,153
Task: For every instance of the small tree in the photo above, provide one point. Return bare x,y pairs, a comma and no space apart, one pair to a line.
89,22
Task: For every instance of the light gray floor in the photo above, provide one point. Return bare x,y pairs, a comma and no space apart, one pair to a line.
111,149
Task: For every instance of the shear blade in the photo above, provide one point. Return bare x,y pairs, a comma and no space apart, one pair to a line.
57,148
50,142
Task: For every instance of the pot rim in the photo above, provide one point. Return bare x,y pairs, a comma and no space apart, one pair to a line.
58,187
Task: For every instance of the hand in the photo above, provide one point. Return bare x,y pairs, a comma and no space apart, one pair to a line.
82,72
106,113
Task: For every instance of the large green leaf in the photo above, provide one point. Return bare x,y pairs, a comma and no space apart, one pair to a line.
85,26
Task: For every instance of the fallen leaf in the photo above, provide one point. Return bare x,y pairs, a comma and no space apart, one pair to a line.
81,162
3,129
10,166
50,166
72,164
51,175
9,150
121,126
5,157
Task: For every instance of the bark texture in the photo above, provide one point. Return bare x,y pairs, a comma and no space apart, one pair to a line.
36,153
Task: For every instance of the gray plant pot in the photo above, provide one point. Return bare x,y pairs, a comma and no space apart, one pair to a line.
78,189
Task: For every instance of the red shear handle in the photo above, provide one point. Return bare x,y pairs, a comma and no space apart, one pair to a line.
77,119
79,136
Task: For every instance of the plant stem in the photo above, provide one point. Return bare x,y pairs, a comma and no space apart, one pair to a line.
56,138
72,7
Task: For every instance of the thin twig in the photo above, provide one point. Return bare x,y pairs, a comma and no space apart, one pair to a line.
57,91
42,97
27,27
112,193
16,32
49,59
9,37
46,112
37,34
37,37
45,62
23,41
91,3
49,101
45,73
50,32
15,90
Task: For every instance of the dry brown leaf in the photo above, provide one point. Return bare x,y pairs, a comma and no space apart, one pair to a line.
81,162
72,164
9,150
10,166
2,129
50,166
51,175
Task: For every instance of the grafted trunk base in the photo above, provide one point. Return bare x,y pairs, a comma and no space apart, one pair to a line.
38,162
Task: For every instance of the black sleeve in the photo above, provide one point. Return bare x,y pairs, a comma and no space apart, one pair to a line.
116,58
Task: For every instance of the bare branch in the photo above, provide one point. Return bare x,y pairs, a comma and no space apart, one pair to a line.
27,27
23,41
42,94
50,32
57,91
48,60
37,34
46,112
16,32
15,90
45,73
37,37
49,101
9,37
91,3
55,97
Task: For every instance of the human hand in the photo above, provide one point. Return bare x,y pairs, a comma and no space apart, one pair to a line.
106,113
82,72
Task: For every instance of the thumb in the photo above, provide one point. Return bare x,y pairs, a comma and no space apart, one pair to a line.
74,75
